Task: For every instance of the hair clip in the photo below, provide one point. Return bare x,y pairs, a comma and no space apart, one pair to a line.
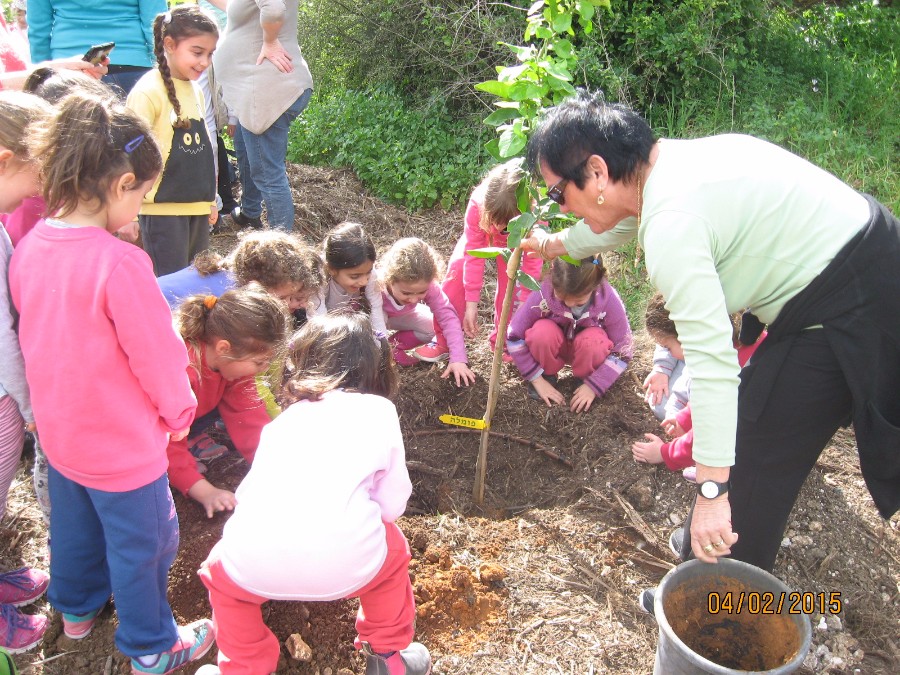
133,144
167,18
380,335
595,261
209,301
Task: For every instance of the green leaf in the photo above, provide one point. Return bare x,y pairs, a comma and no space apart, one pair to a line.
501,116
523,195
585,9
494,87
564,49
511,143
492,147
522,90
562,23
527,281
520,226
569,259
488,252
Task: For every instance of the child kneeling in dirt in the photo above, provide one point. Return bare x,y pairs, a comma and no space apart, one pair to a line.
315,519
667,387
678,454
230,340
414,305
577,318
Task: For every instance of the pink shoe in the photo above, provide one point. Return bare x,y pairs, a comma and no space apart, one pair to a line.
22,586
401,358
432,353
79,626
20,632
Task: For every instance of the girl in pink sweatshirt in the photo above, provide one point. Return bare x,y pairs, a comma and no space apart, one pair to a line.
230,340
413,303
315,518
492,205
108,384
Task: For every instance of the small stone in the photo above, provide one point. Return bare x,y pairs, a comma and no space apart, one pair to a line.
491,572
822,625
675,518
297,648
786,543
815,526
345,671
802,540
327,671
834,622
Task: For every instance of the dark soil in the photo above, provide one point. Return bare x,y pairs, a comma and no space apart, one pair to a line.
543,577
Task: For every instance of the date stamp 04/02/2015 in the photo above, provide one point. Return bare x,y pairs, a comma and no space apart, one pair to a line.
753,602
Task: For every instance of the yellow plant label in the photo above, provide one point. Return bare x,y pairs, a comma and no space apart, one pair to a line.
467,422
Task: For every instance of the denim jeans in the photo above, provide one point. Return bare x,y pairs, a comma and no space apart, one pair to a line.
261,164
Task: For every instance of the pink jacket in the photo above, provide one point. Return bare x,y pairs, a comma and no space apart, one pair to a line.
444,314
474,238
105,366
241,409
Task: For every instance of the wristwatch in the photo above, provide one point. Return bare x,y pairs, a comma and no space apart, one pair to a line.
711,489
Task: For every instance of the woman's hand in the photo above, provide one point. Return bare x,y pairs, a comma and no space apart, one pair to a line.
212,498
470,320
656,385
548,393
129,233
711,533
77,63
582,398
276,54
649,452
461,373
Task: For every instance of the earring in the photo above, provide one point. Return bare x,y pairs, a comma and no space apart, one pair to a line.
600,198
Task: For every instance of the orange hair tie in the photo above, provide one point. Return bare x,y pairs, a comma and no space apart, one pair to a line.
209,301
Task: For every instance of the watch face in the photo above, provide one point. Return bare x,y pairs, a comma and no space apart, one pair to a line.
709,490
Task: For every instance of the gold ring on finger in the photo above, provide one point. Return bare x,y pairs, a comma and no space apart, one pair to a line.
708,548
720,543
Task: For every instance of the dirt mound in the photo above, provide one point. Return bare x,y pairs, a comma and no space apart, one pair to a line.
543,577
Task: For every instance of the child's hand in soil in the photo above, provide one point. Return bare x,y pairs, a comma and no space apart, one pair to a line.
656,385
470,320
212,498
670,426
649,452
548,393
461,373
582,398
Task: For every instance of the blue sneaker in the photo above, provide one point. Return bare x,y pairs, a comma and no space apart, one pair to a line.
194,641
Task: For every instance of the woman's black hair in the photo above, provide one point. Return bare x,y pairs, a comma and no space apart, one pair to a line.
585,125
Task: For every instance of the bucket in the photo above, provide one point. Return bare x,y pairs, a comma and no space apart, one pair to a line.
726,618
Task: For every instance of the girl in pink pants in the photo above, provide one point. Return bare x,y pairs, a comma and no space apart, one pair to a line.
492,205
575,318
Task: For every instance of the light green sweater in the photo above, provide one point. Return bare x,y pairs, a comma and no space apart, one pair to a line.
729,222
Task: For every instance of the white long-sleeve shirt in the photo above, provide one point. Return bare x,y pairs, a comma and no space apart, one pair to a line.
309,520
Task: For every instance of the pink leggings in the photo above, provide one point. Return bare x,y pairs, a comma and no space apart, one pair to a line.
12,438
552,350
386,618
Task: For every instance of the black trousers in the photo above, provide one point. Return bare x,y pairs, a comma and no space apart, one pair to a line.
808,402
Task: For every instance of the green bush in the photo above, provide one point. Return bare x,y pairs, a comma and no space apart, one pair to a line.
416,157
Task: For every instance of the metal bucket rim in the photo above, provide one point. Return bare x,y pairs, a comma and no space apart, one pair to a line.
713,667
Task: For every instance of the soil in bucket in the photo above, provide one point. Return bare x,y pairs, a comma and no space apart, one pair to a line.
746,640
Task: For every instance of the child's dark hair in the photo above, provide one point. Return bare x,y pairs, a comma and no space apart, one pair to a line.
250,319
21,118
54,85
273,258
657,319
90,143
337,350
185,21
500,202
573,280
410,260
348,245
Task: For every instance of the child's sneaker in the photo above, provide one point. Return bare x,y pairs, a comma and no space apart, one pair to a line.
432,352
208,669
79,626
676,541
22,586
205,448
414,660
20,632
194,641
401,358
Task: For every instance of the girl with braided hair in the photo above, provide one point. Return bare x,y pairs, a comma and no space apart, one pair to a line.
176,214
